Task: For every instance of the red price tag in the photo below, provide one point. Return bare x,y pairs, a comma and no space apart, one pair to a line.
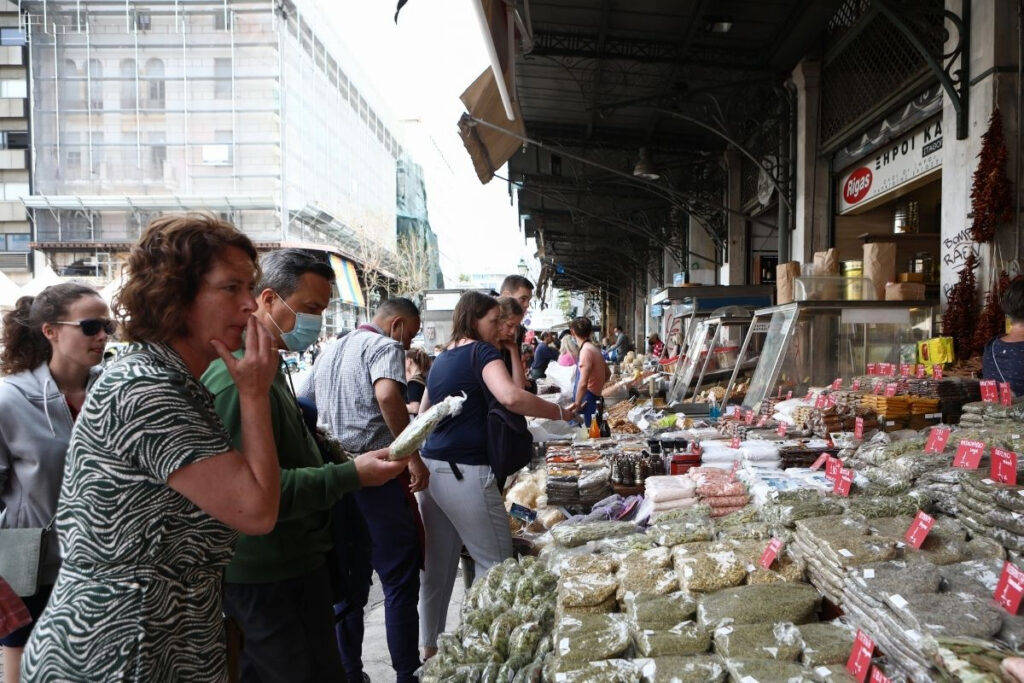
750,417
837,384
763,421
809,394
921,371
937,439
890,389
781,431
878,677
789,394
820,402
879,387
872,368
1010,588
919,529
904,370
735,443
937,371
770,553
1004,466
989,391
860,656
1005,394
858,428
843,482
968,454
820,461
856,384
832,467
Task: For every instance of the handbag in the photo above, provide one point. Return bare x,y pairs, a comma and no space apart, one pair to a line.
509,442
20,557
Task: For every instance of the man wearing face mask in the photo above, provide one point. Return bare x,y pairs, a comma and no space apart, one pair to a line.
358,386
277,586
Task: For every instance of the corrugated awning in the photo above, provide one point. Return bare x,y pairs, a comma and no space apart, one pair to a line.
347,281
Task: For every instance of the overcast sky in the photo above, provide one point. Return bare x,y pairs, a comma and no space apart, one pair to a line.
417,69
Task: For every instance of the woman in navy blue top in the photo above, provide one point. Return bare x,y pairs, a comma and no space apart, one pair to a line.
1003,359
463,506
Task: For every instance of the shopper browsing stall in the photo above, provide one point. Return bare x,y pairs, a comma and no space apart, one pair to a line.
1003,358
591,370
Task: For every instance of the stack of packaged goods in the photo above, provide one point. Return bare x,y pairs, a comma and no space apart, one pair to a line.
825,421
719,490
721,454
952,393
563,476
993,510
982,414
670,492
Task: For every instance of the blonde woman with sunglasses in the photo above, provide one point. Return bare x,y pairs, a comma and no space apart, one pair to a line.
51,346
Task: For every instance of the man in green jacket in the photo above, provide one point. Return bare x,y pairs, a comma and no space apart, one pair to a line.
277,587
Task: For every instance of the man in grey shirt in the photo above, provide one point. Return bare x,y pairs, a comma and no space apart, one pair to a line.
358,386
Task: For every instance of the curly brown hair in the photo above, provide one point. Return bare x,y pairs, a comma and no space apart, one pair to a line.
23,346
166,269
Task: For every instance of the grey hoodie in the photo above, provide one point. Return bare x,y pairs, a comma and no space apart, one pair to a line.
35,428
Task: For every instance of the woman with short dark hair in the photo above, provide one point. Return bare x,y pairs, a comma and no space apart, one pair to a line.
153,491
1003,357
50,353
463,505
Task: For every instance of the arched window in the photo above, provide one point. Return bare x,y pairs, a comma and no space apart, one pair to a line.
96,84
128,90
71,85
155,93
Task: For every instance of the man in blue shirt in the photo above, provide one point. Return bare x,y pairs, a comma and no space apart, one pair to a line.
544,354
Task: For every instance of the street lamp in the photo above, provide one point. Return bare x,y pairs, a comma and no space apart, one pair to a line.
523,268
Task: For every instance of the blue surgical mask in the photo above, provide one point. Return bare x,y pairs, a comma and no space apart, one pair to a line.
305,332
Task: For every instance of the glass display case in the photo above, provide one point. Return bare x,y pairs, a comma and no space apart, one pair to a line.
683,307
811,343
711,356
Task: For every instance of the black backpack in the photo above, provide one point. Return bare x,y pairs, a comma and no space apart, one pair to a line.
509,442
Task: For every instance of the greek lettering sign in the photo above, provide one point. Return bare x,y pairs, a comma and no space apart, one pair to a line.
901,161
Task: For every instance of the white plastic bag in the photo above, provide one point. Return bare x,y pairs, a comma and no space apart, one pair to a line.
417,431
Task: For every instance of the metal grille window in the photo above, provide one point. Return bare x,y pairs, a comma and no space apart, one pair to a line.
869,71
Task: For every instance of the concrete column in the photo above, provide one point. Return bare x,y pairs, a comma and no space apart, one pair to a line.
811,231
993,57
737,270
703,255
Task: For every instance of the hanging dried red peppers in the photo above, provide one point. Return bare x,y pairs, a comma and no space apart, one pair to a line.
961,316
992,322
991,192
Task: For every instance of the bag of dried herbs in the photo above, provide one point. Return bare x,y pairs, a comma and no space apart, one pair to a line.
647,611
693,669
765,670
570,535
711,571
793,602
759,641
674,533
826,643
589,637
645,578
602,671
685,638
586,590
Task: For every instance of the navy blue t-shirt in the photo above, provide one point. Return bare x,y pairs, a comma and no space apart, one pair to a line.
461,439
544,354
1004,362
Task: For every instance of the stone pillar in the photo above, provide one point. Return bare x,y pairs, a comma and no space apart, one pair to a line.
703,257
993,58
811,232
737,269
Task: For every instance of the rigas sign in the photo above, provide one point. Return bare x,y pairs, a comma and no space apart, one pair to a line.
892,166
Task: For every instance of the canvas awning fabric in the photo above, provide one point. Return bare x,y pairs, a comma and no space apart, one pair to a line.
347,281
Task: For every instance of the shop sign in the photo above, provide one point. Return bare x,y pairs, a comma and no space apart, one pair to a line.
897,163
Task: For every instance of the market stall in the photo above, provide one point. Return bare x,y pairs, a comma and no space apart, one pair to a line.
711,361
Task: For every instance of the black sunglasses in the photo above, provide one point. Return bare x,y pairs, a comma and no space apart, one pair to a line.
91,326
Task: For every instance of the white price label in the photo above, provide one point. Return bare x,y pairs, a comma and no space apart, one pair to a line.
845,553
869,573
988,481
823,671
933,416
898,600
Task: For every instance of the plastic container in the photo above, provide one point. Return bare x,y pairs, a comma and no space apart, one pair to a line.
834,288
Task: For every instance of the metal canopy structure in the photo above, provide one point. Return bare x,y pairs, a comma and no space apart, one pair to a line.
682,80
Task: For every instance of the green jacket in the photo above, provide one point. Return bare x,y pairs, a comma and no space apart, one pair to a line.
309,488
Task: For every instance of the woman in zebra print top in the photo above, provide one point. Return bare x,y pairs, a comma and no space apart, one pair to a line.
153,493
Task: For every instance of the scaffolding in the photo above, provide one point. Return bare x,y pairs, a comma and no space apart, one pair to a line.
230,106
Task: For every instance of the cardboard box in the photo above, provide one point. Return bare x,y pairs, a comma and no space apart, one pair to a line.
904,291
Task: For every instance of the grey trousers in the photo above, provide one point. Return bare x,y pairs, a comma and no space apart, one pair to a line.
456,512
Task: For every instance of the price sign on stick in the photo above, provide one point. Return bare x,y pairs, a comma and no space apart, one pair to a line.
919,529
763,421
1004,466
890,389
820,402
860,656
843,482
968,454
837,384
904,370
937,371
750,417
989,391
770,553
856,384
820,461
1010,588
872,368
832,467
879,387
858,428
922,371
937,439
1005,394
735,469
878,677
